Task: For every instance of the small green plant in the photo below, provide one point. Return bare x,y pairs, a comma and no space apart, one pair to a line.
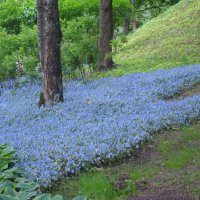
118,42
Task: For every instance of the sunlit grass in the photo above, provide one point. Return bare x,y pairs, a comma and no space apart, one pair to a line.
170,40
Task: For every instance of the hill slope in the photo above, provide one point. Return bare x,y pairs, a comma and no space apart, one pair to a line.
172,39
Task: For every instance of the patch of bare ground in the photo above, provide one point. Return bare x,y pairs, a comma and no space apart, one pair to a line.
186,93
194,90
154,193
165,186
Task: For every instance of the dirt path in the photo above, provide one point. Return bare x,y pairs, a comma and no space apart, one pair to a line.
172,183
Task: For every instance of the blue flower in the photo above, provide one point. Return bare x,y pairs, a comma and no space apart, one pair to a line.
97,121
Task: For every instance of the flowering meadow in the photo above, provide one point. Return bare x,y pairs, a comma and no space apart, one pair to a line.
99,120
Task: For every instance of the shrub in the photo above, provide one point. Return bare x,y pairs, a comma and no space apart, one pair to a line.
10,16
80,45
19,54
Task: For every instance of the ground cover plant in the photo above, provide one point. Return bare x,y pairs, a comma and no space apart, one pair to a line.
98,122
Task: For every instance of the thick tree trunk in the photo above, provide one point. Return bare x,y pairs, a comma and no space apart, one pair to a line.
106,34
49,34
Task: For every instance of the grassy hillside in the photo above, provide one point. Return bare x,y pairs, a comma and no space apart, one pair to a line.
172,39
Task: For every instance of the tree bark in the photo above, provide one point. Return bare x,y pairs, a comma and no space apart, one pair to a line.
41,32
126,26
134,23
106,34
49,35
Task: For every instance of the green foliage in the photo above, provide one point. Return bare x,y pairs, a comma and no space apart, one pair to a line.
121,9
7,47
13,184
80,44
118,42
29,12
9,63
10,17
70,9
18,54
28,51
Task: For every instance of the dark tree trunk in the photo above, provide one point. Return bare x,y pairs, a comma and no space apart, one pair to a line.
41,33
49,34
126,26
106,34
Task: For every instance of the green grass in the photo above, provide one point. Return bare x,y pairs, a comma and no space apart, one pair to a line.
181,158
170,40
143,172
182,151
96,187
189,134
136,174
99,185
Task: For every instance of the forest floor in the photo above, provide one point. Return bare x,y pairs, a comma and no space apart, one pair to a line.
165,168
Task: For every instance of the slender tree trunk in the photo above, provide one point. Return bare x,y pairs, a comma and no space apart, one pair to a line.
106,34
41,32
49,34
126,26
134,23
